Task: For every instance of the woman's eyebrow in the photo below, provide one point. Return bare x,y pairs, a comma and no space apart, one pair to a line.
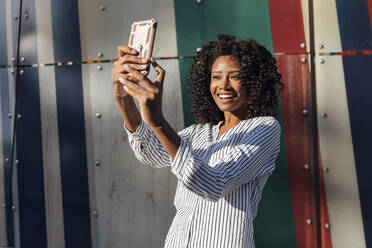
228,71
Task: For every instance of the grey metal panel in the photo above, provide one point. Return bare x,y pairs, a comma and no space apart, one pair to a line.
3,233
50,144
103,31
50,139
134,204
10,38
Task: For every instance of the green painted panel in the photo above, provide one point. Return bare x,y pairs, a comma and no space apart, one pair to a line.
274,224
197,24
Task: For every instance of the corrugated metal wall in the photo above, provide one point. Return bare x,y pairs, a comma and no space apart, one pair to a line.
71,180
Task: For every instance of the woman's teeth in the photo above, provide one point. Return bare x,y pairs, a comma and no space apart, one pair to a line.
225,96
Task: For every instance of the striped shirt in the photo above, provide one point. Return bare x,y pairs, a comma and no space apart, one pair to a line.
220,179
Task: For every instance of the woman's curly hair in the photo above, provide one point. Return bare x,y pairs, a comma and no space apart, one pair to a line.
259,77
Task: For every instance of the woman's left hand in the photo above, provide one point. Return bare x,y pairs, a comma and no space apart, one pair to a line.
148,97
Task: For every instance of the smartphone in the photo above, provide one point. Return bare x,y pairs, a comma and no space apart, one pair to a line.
141,38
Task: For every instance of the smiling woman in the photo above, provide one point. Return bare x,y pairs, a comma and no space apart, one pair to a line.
223,163
258,75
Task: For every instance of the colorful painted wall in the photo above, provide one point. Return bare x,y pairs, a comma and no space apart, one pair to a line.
67,175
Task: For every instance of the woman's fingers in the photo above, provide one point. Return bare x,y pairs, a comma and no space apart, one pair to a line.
121,77
143,79
160,70
123,50
122,68
137,91
130,59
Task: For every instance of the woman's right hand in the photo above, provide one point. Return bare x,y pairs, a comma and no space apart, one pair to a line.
127,57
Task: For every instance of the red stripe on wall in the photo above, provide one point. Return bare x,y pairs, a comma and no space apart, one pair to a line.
297,127
287,25
287,34
369,2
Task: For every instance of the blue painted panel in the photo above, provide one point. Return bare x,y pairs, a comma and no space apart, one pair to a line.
32,218
71,126
355,29
358,78
32,222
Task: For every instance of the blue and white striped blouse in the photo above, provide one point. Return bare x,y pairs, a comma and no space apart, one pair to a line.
220,180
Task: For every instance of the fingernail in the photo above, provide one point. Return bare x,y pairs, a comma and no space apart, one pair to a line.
144,60
121,79
125,87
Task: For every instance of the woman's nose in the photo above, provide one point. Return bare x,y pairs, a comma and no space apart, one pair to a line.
224,83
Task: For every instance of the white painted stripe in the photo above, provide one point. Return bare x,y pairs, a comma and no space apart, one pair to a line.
49,127
326,30
335,134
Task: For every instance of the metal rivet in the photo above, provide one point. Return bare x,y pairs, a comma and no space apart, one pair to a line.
100,54
98,115
327,225
199,1
198,49
323,115
16,162
303,45
14,208
4,205
303,60
308,221
321,46
16,17
19,116
307,167
26,15
102,7
326,170
322,61
100,67
6,160
21,72
10,116
97,163
95,213
23,59
13,59
305,112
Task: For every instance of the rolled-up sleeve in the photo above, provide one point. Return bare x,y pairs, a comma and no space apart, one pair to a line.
248,159
147,147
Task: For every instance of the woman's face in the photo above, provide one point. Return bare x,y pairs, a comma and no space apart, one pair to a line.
225,86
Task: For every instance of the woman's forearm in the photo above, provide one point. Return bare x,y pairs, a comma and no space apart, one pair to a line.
129,112
168,137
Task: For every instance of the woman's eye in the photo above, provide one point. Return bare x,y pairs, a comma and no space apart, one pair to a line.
216,77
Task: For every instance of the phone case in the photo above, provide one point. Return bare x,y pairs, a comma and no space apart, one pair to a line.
142,37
